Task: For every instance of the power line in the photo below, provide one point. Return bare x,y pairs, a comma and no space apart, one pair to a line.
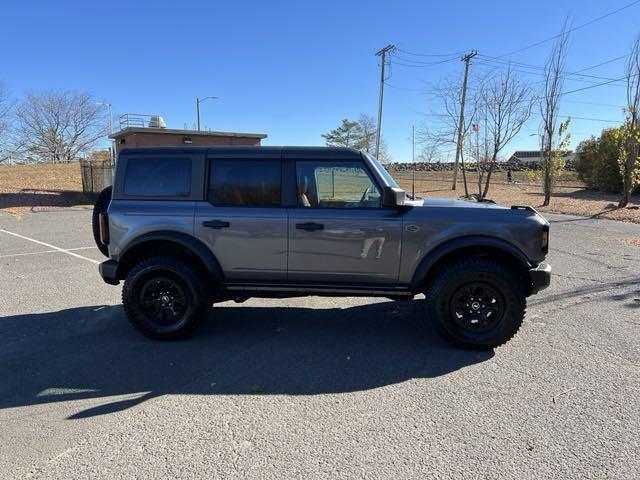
540,74
598,104
486,58
394,54
590,22
454,54
573,117
421,65
603,63
407,89
596,85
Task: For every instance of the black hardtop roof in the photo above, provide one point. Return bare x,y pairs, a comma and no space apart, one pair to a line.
239,151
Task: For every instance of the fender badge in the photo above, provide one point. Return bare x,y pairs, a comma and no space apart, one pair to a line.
412,228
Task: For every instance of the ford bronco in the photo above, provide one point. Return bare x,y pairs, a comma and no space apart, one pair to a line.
189,227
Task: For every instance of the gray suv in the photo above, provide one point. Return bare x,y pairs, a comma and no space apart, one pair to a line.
189,227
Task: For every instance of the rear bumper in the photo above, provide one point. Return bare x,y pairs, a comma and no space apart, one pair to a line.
540,277
109,272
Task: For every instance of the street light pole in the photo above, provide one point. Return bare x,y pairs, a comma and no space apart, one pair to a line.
198,101
198,113
113,142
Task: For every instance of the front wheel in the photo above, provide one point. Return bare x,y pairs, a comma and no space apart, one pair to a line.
476,303
165,298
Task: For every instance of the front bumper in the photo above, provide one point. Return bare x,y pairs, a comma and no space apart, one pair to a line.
540,277
109,272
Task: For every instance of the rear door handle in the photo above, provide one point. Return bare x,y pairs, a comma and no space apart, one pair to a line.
215,224
310,226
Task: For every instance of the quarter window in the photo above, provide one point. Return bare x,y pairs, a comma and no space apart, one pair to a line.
249,183
158,177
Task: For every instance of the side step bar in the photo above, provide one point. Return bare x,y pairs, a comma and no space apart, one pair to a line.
320,290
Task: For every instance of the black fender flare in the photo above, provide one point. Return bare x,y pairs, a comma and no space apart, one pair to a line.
195,246
459,243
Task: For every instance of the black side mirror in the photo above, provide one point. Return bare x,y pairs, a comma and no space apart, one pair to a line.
393,197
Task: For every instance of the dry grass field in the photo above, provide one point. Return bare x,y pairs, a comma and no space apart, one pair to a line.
34,187
570,196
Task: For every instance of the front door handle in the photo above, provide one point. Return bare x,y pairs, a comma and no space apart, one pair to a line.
310,226
215,224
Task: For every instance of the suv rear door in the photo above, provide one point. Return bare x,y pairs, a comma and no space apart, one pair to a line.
242,219
339,232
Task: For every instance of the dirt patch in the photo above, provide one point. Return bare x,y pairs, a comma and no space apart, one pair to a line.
635,241
37,187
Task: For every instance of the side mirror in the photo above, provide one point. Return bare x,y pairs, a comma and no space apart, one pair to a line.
393,197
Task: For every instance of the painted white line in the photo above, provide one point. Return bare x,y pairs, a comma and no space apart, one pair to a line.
45,251
53,247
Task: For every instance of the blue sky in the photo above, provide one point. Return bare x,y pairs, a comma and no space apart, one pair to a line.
294,69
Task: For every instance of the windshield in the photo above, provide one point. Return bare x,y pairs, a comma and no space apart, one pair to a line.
381,170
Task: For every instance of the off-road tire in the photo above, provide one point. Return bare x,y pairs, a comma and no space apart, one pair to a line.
101,205
447,288
151,274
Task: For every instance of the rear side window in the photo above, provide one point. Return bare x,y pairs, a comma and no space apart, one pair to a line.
249,183
158,177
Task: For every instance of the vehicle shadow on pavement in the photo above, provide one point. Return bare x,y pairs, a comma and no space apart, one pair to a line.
92,352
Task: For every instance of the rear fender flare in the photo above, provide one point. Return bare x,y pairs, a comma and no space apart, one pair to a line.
195,246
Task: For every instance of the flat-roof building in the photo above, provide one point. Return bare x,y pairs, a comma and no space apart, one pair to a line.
149,131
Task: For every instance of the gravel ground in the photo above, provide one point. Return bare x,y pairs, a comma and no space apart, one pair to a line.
315,387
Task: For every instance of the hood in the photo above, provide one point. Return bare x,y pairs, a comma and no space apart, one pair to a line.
449,202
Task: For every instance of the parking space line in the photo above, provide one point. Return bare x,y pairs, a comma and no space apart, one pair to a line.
45,251
53,247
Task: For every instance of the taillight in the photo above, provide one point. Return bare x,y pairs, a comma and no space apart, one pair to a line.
544,238
104,228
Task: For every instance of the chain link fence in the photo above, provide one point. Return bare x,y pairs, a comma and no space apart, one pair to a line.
96,176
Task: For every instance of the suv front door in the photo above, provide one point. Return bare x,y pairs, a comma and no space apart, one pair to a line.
242,220
339,232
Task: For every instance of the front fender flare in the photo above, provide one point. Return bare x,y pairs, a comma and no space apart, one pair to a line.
449,246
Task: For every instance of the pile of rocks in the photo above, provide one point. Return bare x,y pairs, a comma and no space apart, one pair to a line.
448,166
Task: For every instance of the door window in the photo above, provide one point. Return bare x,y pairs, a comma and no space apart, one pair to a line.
323,184
248,183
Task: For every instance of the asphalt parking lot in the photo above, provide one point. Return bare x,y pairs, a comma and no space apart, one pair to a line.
315,387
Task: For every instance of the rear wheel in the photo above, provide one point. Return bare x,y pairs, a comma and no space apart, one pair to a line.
165,298
476,303
101,205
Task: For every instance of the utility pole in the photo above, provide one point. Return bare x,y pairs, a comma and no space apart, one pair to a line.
382,54
466,59
413,162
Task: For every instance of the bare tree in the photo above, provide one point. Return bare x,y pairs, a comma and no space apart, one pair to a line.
443,131
5,123
507,104
549,108
58,126
429,152
631,129
367,141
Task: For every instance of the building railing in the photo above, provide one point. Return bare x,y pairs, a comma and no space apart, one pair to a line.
140,120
